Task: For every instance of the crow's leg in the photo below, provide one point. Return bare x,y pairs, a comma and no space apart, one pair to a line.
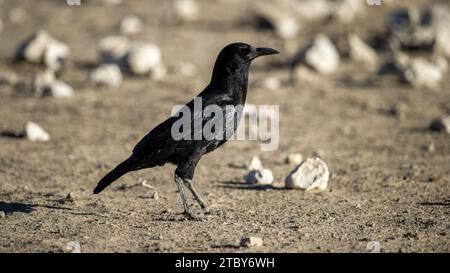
190,185
187,209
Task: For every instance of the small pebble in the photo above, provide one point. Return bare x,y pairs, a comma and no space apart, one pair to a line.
255,164
259,177
34,132
294,159
251,241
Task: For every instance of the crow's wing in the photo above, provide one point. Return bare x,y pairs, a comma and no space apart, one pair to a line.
159,144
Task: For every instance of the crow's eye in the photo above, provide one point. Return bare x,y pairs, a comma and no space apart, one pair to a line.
242,51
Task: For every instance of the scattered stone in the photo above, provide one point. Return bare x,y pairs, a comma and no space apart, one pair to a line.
259,177
41,82
321,55
33,48
441,124
438,16
41,48
294,159
373,247
418,72
251,241
310,174
2,214
272,17
255,164
407,31
361,52
184,10
56,53
73,247
131,25
144,58
34,132
422,73
60,89
107,75
113,49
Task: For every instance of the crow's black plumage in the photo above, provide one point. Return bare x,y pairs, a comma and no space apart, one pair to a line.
228,86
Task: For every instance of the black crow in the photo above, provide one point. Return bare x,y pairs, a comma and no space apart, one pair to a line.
228,87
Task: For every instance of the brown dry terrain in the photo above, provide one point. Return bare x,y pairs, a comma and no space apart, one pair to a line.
385,185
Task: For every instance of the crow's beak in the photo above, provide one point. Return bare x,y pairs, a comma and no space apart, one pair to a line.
261,51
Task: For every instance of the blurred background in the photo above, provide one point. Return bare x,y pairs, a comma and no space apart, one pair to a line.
362,85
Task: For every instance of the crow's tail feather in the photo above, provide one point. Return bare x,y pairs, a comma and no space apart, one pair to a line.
121,169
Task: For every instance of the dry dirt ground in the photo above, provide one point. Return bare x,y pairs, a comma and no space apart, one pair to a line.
384,186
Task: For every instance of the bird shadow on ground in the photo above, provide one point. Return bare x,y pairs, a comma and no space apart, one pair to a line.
14,207
226,246
445,203
241,186
11,134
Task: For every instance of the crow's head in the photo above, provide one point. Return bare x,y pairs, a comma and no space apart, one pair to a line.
240,53
237,57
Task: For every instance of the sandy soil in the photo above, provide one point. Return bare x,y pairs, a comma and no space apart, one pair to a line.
385,186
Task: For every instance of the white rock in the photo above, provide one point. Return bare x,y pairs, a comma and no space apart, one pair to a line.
440,20
33,48
131,25
322,55
34,132
259,177
251,241
373,247
441,124
55,54
185,10
255,164
144,58
311,174
107,74
422,73
113,49
73,247
43,48
60,89
284,25
360,51
42,81
294,159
